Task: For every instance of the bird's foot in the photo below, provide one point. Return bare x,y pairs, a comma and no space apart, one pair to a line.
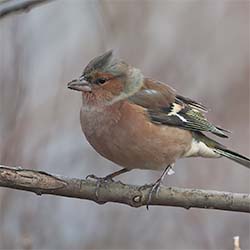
99,182
105,179
155,187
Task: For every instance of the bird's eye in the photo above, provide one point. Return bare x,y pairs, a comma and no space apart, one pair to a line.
101,80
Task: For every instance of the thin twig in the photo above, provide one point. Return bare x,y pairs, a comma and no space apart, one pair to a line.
10,7
43,183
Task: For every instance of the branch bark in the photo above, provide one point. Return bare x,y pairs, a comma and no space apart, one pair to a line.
10,7
43,183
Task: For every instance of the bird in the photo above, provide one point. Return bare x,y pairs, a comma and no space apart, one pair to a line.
142,123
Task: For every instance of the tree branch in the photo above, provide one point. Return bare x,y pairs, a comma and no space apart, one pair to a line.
9,7
43,183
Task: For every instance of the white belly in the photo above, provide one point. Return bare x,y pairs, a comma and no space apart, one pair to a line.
199,148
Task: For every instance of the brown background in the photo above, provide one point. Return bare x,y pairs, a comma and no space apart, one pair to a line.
201,48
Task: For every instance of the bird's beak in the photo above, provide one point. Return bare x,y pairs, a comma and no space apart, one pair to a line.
80,85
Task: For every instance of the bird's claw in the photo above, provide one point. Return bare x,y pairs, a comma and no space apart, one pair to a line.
99,181
155,187
104,179
92,176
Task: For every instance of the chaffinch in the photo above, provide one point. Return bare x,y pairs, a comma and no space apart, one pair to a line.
142,123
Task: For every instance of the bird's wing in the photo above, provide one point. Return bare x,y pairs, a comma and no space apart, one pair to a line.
165,107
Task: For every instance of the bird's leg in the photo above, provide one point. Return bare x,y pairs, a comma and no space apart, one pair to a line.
100,180
156,186
108,177
121,171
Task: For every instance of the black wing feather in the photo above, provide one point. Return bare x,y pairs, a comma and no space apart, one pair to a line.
165,107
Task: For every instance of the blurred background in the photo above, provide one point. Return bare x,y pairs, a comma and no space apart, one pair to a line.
201,48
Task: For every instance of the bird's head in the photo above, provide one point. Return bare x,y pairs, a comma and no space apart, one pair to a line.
107,80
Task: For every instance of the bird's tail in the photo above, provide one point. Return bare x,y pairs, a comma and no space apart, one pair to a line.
233,156
221,150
